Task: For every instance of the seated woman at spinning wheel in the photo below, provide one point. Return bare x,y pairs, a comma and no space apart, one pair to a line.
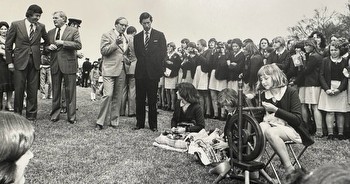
283,120
188,115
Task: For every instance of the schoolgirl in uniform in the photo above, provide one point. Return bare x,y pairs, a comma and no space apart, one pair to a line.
172,66
334,89
201,76
218,77
307,80
235,64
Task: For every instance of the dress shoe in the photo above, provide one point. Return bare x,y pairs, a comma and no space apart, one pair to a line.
72,121
132,115
54,120
9,109
31,119
136,128
341,137
98,127
114,126
154,130
330,137
216,117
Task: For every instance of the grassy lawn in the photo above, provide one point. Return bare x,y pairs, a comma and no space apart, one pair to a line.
65,153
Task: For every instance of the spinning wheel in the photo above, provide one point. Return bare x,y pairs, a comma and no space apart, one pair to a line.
253,141
245,138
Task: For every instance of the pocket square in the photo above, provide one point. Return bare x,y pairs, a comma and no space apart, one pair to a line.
155,40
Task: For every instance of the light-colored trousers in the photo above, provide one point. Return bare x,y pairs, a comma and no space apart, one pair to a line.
111,100
129,97
45,78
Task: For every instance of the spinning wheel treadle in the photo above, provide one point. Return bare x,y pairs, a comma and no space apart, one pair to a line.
252,137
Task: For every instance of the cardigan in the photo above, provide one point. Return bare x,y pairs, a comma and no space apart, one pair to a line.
192,119
234,71
325,74
188,64
310,71
289,109
251,67
175,66
219,64
282,61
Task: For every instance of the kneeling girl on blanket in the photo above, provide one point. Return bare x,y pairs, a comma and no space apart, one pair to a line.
188,115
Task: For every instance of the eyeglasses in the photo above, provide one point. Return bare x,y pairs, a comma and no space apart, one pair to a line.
123,25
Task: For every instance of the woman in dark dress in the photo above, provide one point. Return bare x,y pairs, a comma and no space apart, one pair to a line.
188,115
6,83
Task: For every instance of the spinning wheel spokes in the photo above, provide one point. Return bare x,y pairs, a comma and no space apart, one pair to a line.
252,138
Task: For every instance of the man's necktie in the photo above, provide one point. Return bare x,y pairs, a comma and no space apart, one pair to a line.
58,34
31,34
146,40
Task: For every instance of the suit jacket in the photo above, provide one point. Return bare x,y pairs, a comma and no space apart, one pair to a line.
149,62
65,58
112,54
18,35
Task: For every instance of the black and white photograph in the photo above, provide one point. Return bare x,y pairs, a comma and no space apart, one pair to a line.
175,91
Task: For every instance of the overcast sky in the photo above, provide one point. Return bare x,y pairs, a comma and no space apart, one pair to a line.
193,19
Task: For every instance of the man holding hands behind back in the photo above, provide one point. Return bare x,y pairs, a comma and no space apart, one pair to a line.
64,43
151,51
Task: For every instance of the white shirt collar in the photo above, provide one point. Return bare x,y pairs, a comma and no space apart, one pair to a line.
278,97
238,53
116,32
279,53
27,23
149,32
171,54
338,60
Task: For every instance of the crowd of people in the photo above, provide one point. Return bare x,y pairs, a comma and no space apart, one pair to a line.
302,80
318,71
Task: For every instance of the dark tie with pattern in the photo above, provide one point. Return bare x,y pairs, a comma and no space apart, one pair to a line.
58,34
31,34
146,40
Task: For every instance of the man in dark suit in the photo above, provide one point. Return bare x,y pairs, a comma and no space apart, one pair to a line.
150,51
25,59
64,43
86,72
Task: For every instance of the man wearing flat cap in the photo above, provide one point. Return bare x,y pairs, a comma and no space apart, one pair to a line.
25,58
74,22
